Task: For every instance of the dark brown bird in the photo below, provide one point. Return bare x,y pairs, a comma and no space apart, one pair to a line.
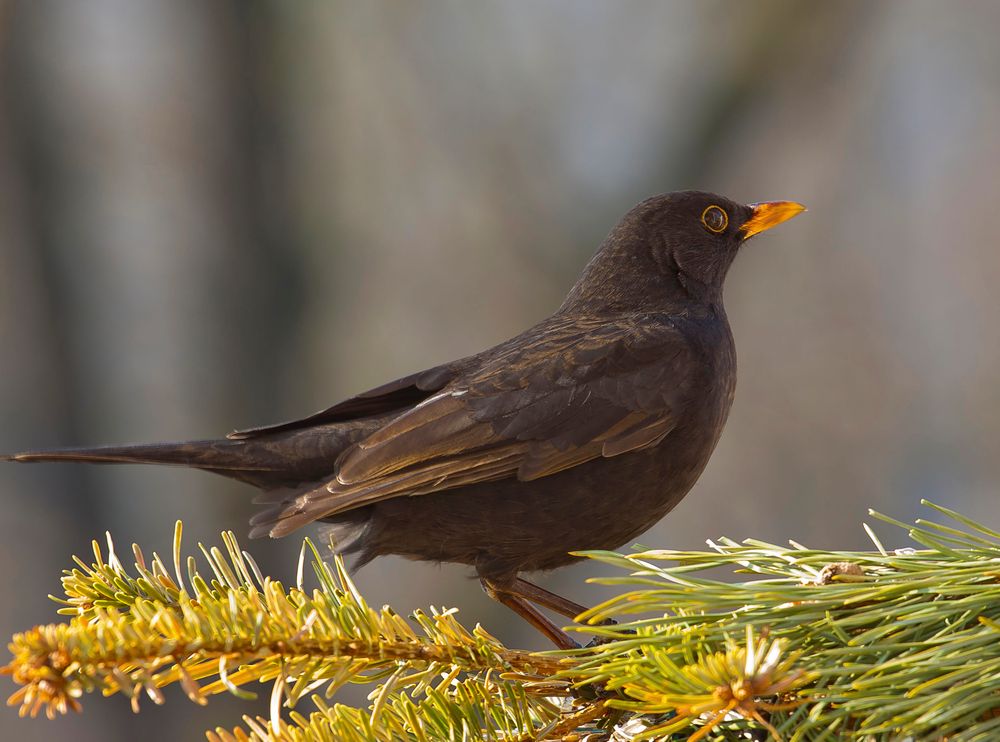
579,433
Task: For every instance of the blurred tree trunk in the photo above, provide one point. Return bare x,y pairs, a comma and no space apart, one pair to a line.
147,271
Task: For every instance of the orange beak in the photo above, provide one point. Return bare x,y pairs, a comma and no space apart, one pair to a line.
769,214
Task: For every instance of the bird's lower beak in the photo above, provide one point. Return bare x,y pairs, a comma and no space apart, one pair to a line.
769,214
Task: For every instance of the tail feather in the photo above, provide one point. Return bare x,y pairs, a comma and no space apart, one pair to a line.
201,454
265,463
283,464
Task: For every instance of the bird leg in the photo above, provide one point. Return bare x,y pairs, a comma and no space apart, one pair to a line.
503,593
541,596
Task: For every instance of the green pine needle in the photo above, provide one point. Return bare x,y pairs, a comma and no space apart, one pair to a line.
810,645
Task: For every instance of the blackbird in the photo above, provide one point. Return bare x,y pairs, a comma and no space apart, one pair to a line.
580,433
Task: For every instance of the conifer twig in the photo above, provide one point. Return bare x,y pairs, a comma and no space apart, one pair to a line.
811,645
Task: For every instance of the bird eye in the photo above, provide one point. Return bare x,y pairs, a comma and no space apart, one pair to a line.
715,219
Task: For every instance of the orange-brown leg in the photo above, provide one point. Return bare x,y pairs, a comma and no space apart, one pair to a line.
541,596
504,594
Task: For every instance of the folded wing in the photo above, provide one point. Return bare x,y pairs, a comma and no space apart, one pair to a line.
395,395
566,393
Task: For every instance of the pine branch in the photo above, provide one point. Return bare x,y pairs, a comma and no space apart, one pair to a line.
476,708
138,634
897,643
811,645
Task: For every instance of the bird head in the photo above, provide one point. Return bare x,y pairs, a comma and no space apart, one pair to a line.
671,249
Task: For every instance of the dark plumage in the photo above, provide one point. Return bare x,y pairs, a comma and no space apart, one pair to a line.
579,433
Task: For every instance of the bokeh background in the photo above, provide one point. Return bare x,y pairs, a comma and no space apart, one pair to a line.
216,214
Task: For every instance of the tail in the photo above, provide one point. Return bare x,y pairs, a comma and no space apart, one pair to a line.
264,463
188,453
283,464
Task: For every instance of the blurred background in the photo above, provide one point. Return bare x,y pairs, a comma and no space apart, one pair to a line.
220,214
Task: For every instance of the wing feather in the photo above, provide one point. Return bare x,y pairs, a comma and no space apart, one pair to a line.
395,395
557,398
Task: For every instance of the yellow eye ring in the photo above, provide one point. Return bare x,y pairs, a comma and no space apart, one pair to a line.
715,219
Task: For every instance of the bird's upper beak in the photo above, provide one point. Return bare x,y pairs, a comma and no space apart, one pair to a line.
769,214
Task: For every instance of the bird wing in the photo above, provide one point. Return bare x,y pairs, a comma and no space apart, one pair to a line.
566,392
395,395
